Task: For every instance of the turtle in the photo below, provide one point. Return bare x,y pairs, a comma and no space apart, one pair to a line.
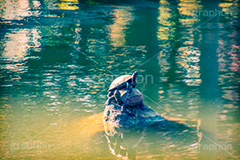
123,82
126,97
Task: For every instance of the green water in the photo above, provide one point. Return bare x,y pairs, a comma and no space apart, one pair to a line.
59,57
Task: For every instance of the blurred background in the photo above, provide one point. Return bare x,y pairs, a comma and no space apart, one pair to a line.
58,58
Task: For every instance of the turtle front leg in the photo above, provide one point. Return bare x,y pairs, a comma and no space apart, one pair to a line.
119,101
109,101
117,96
110,93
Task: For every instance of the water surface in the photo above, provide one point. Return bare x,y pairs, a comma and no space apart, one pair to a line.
59,57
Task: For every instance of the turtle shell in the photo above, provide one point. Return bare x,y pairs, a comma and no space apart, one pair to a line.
120,82
132,98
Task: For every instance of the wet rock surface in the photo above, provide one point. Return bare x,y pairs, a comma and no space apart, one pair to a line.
138,116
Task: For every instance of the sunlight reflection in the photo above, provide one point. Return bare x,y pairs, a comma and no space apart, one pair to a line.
123,18
188,62
15,9
54,95
188,58
164,31
17,45
16,50
68,4
187,10
165,25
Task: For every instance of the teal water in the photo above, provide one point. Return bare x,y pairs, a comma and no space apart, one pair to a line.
59,57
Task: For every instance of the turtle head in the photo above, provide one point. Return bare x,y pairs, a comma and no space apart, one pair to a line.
134,77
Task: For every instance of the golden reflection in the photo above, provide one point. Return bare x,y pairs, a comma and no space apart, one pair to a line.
165,29
188,61
77,34
188,58
228,9
165,24
97,83
78,136
123,17
75,137
4,125
68,4
188,17
187,10
225,4
86,127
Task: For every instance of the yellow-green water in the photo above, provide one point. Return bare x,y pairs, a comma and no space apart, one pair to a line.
59,57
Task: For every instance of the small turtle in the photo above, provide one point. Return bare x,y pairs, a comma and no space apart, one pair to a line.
126,98
131,98
123,82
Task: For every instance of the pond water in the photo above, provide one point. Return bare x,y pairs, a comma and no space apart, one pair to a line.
59,57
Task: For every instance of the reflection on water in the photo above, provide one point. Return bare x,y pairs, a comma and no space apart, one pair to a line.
119,26
69,5
15,10
59,57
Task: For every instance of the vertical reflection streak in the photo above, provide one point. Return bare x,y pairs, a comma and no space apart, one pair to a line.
209,76
117,31
15,10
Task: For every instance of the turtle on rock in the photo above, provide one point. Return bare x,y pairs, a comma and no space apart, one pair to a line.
125,106
126,97
127,119
123,82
